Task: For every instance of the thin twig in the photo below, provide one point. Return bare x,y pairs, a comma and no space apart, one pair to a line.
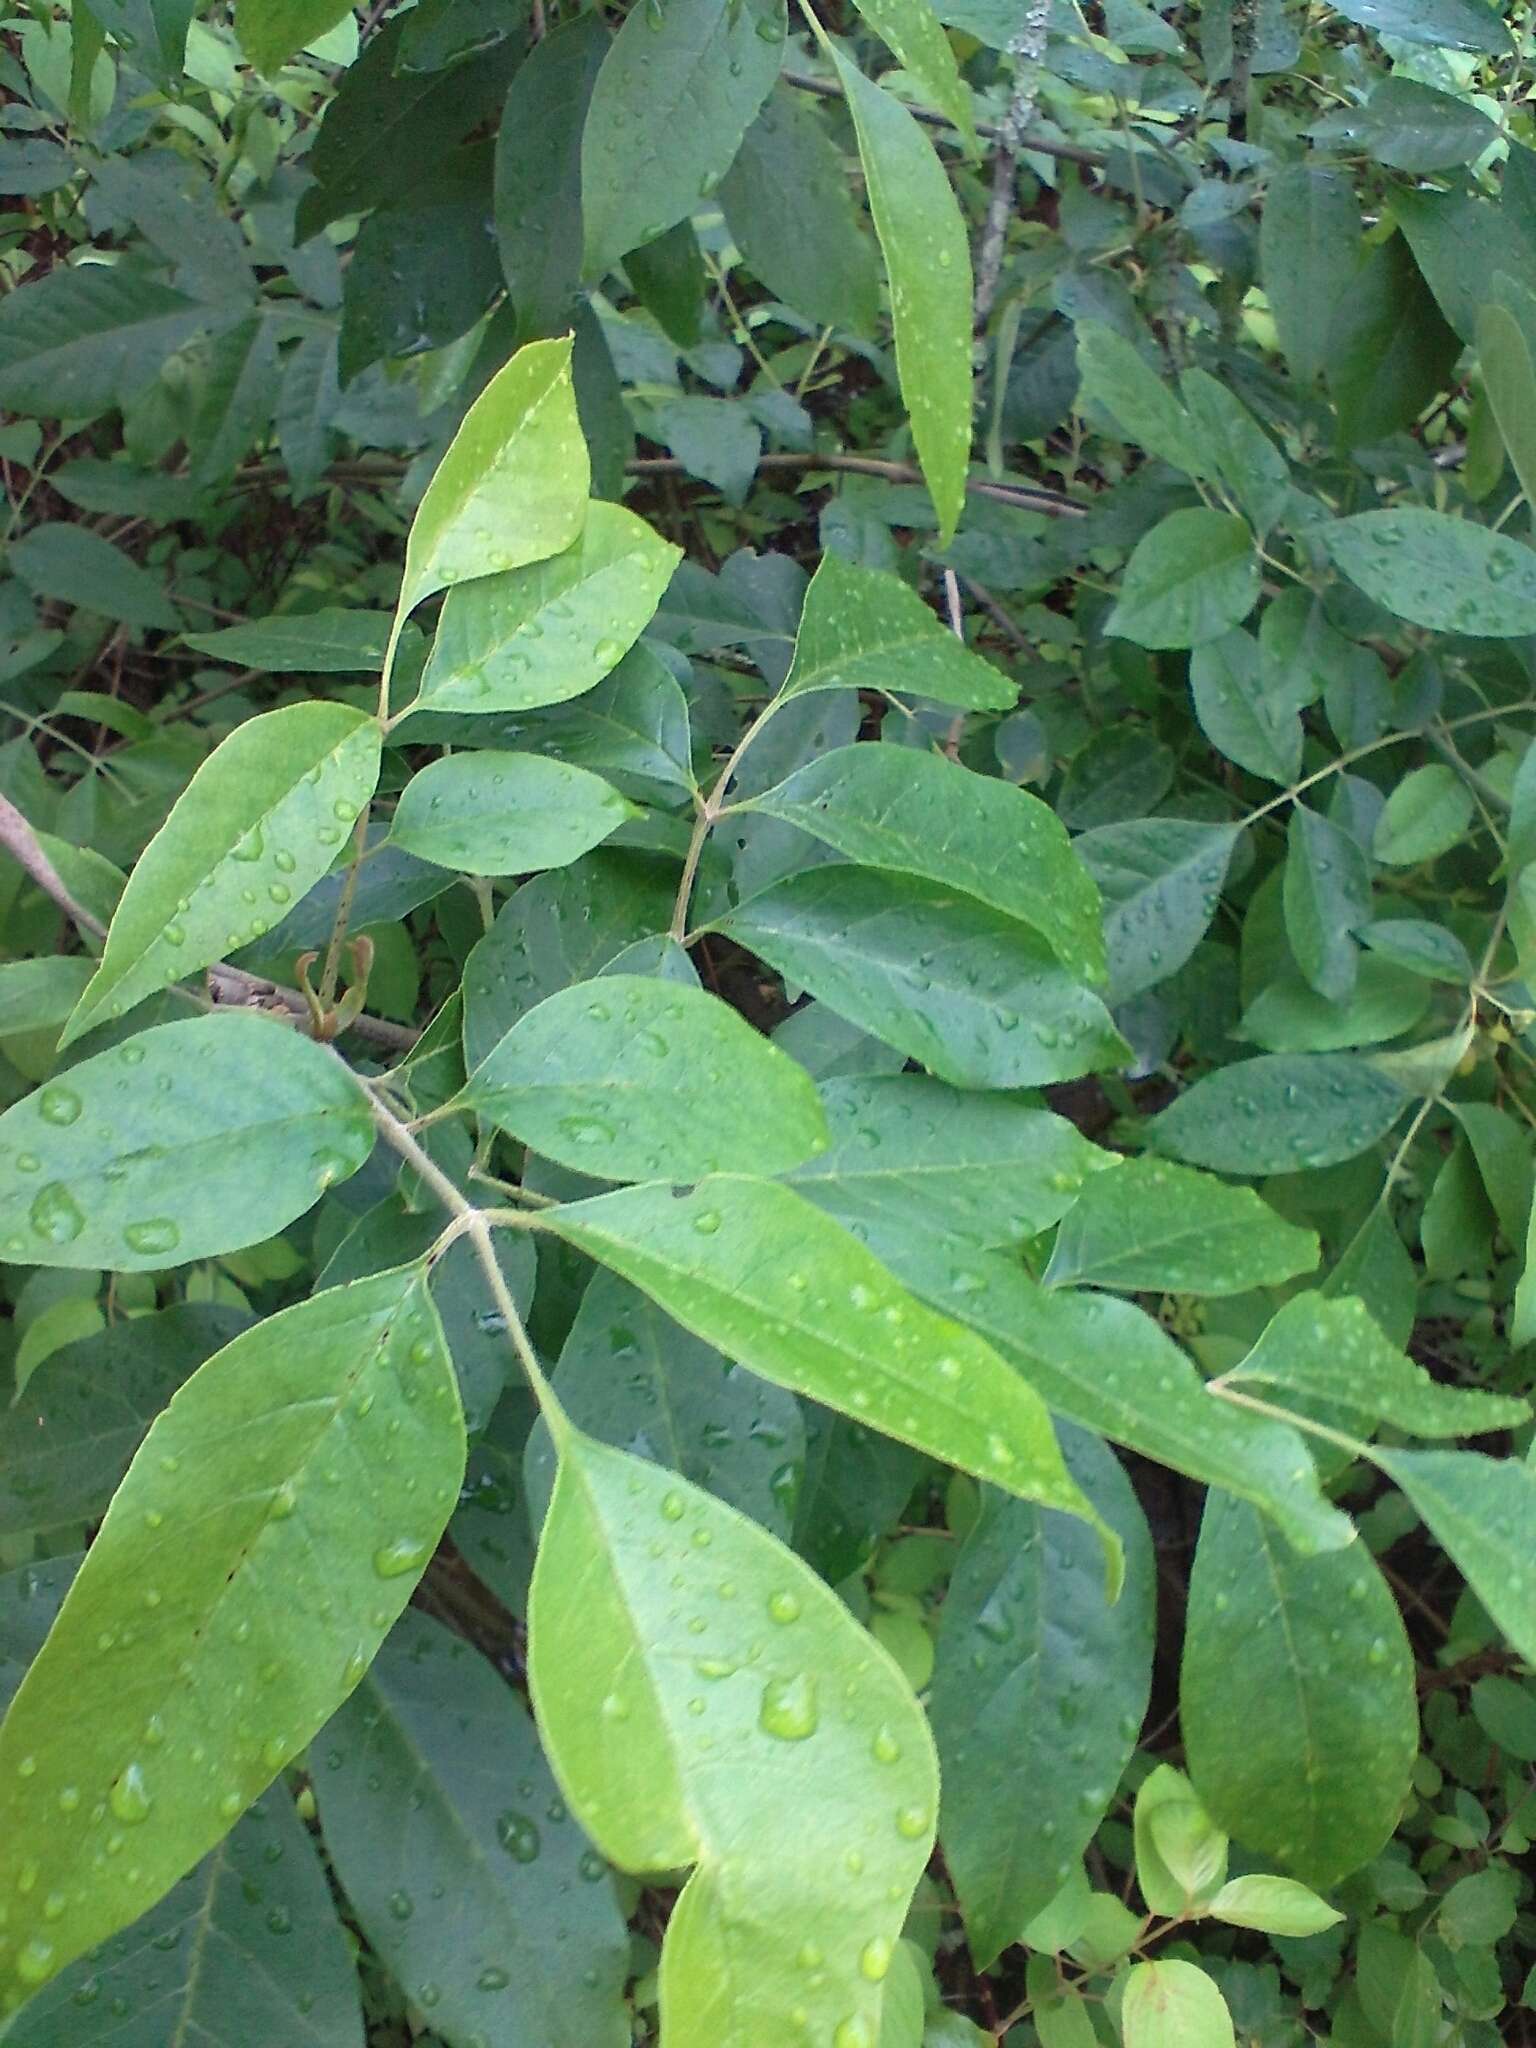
1030,497
1027,50
1031,139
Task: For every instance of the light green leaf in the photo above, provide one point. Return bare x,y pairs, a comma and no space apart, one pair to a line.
81,340
247,1945
1240,711
444,1825
1333,1351
1181,1854
633,1378
67,1439
1483,1510
191,1139
1028,1645
910,30
682,1733
1280,1113
1480,1908
1327,897
329,642
1161,879
767,1279
505,814
923,814
1273,1905
272,31
631,1078
973,995
1108,1366
674,97
279,1511
74,566
1510,382
1115,376
260,821
1152,1227
864,630
1193,577
787,205
1434,570
552,629
1310,1759
912,1155
927,258
1439,24
1173,2005
1426,814
513,485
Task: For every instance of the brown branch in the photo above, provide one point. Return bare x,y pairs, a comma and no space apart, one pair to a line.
1029,139
1031,497
1027,50
226,984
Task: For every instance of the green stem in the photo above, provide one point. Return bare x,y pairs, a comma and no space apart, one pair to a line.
709,810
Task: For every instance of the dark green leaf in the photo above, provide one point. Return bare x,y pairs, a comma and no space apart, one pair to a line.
1310,251
74,566
1193,577
1327,896
538,172
1161,879
1151,1227
1281,1113
1442,24
862,629
81,340
1435,570
1483,1510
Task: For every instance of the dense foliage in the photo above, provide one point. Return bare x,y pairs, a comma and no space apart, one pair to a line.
767,941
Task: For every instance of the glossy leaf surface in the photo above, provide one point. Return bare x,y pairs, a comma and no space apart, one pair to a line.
863,629
1151,1226
488,813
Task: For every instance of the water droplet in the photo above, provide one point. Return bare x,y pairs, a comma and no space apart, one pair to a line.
788,1711
853,2032
592,1866
394,1560
783,1607
401,1905
875,1959
34,1964
707,1222
492,1979
885,1748
55,1214
912,1823
518,1835
57,1105
129,1798
283,1502
152,1235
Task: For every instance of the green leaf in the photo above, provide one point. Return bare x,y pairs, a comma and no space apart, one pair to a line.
631,1377
280,1512
1173,2005
82,340
1039,1682
1411,126
1289,1016
458,1857
505,814
909,1154
766,1278
1281,1113
238,397
1421,947
969,993
787,205
675,95
1434,570
1441,24
191,1139
927,259
1152,1227
864,630
1115,376
1193,577
1480,1908
798,1709
1327,897
67,1439
538,172
549,631
1425,815
1510,381
248,1944
1389,350
329,642
261,820
72,565
1309,248
634,725
1244,457
1273,1905
513,485
1483,1511
923,814
1240,711
272,31
1106,1365
1161,880
1310,1759
637,1079
35,994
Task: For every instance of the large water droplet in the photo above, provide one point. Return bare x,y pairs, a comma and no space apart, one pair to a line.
55,1214
58,1105
788,1711
875,1959
152,1235
518,1835
394,1560
129,1798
